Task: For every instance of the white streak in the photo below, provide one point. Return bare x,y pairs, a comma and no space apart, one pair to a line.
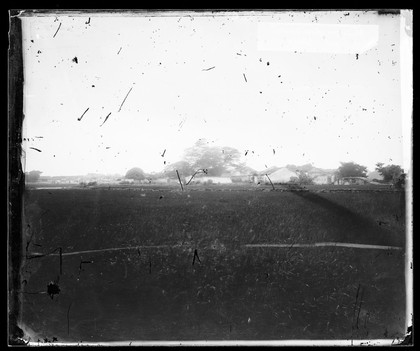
351,245
367,342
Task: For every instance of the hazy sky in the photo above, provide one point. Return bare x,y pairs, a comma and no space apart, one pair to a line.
319,87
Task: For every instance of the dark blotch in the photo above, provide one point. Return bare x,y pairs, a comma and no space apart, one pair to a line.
53,289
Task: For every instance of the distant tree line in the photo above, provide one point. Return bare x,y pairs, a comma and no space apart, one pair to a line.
391,174
32,176
351,169
211,160
217,161
200,158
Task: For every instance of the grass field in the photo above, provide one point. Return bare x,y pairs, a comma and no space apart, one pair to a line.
183,270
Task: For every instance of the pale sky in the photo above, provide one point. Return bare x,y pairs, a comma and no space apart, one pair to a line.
318,87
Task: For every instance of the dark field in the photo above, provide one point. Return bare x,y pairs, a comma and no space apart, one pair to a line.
160,288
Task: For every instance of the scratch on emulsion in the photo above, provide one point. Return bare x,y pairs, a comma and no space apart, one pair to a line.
125,99
105,119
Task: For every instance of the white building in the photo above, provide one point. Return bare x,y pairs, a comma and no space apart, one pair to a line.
282,175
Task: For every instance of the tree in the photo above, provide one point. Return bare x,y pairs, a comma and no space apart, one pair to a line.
351,169
302,179
399,183
243,169
215,160
390,173
135,173
183,167
33,176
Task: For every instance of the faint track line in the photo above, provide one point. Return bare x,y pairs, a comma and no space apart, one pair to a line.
350,245
116,249
322,244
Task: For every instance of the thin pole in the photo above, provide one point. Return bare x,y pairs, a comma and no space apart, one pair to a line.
180,183
270,181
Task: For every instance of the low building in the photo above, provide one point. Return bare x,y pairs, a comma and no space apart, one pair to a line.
322,179
159,181
281,175
126,181
321,176
352,181
211,180
242,178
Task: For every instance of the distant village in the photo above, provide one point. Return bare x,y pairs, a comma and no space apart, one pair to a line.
289,174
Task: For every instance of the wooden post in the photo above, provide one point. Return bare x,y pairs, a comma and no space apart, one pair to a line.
270,181
180,183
